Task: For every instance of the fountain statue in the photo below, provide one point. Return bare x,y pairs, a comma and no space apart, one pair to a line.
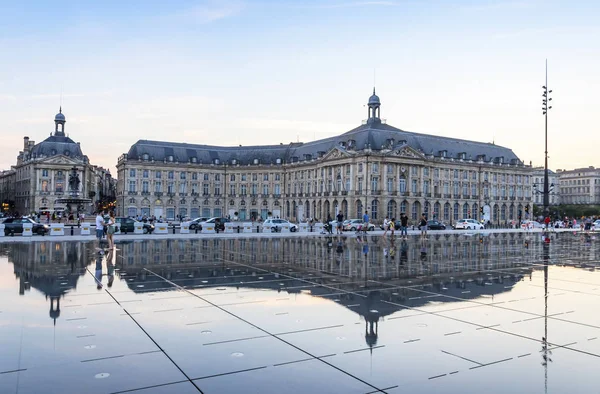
73,199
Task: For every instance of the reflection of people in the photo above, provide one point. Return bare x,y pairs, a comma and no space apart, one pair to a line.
98,273
403,252
423,250
110,268
365,249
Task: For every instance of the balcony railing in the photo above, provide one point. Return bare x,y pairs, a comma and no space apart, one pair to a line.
437,195
158,194
131,193
146,193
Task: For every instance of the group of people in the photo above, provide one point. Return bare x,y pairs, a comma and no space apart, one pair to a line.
105,227
390,225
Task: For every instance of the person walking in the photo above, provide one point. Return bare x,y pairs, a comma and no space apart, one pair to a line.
423,225
99,227
340,222
403,226
386,226
110,231
366,222
392,227
329,227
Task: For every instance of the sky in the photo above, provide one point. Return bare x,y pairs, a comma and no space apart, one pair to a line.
230,72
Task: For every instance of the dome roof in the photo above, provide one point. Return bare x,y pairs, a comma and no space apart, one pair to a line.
374,99
59,116
57,145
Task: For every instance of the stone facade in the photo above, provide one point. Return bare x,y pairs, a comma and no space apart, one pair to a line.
7,190
41,174
538,182
580,186
374,167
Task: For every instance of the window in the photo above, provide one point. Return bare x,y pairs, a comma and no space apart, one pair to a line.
217,177
402,185
145,185
158,187
171,175
414,211
390,185
446,212
255,176
182,175
456,209
265,177
277,189
473,190
158,175
205,189
232,190
413,186
375,168
426,187
132,186
131,212
414,171
182,187
171,213
243,190
374,183
347,184
243,177
217,190
145,173
265,190
171,188
132,173
45,185
360,167
455,174
403,207
426,171
374,206
232,177
278,177
465,211
44,172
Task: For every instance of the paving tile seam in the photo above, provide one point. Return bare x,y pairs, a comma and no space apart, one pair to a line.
277,337
148,387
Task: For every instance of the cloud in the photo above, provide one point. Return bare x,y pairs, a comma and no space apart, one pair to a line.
55,96
209,11
7,97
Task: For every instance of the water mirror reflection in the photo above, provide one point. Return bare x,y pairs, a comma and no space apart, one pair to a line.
372,314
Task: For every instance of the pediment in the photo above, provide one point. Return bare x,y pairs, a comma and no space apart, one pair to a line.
335,153
407,151
60,159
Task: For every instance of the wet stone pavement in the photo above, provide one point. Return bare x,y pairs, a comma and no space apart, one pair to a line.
501,313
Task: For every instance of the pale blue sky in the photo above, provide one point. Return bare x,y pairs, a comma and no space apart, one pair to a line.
248,72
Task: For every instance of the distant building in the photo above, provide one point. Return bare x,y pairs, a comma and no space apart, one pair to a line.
374,167
7,190
41,174
538,184
580,186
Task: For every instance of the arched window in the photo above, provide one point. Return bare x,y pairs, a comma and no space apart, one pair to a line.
391,209
503,213
465,212
456,210
359,209
436,210
475,212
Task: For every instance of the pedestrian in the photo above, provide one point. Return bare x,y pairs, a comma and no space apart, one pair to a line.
423,225
99,227
547,222
392,226
366,222
386,226
110,231
403,226
340,222
329,227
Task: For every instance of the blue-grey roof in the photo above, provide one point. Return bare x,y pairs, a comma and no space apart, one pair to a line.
57,145
374,134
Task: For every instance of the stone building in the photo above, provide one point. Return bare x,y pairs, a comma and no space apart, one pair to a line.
538,187
42,171
374,167
580,186
7,190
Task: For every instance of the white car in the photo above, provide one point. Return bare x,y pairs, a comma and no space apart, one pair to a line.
468,224
596,225
277,224
531,224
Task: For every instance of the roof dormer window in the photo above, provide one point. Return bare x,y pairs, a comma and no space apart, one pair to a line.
217,161
278,161
145,156
170,158
255,161
194,159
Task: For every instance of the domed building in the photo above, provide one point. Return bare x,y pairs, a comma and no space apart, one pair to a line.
374,167
52,170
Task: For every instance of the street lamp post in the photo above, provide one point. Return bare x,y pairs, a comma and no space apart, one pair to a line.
546,107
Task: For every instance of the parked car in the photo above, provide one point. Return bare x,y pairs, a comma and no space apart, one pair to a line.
127,225
530,224
468,224
435,225
596,225
276,225
355,224
219,223
15,225
194,223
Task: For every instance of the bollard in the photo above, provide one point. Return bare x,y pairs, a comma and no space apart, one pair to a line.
173,229
238,229
71,229
311,230
257,229
217,229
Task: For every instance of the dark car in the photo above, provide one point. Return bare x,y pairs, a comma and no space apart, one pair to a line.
435,225
127,225
15,226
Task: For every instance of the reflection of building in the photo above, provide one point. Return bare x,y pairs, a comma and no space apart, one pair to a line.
52,268
453,264
580,186
374,166
42,171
